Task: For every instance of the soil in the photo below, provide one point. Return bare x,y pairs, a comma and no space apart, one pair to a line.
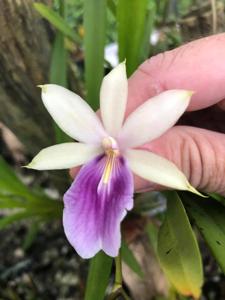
48,270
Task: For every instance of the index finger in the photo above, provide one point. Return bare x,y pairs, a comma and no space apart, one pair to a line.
197,66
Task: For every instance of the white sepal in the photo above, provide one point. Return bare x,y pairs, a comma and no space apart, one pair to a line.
64,156
113,99
157,169
153,118
73,115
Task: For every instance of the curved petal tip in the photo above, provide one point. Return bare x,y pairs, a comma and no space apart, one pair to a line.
193,190
43,87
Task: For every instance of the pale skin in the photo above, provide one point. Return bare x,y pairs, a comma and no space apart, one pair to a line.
200,153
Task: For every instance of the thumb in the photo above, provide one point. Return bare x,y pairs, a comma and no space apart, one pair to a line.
198,153
198,66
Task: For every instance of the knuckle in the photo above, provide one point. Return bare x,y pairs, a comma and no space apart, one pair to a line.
202,162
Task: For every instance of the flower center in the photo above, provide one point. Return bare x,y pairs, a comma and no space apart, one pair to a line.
110,145
112,151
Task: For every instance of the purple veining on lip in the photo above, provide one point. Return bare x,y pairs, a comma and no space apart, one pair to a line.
93,210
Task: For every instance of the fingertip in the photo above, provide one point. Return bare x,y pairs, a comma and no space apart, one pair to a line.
198,66
141,87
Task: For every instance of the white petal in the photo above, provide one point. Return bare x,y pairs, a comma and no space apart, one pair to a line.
113,99
157,169
64,156
73,115
153,118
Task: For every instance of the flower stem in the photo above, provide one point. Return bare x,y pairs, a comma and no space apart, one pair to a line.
118,290
118,276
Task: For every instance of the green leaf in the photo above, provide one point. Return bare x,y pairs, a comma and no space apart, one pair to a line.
12,202
98,276
58,67
50,209
209,216
94,42
9,182
56,20
29,203
112,6
8,220
178,250
129,258
149,24
131,17
31,235
12,187
152,232
58,71
217,197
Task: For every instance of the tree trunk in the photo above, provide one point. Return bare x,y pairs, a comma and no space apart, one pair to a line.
24,63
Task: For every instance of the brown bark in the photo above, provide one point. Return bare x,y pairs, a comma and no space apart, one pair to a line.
24,63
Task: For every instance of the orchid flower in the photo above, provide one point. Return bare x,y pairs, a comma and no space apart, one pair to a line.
102,192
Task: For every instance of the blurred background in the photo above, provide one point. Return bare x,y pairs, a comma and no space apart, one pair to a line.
74,43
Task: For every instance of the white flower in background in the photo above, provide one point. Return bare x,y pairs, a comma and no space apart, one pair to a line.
111,54
102,192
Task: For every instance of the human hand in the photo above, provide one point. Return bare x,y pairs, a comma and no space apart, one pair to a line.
199,153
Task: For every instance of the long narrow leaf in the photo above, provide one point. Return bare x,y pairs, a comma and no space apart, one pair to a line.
58,70
152,232
218,197
31,235
149,24
131,17
98,277
58,67
112,6
12,186
209,216
8,220
58,76
178,250
94,42
56,20
9,182
129,258
11,202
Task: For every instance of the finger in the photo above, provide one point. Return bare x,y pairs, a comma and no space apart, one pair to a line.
199,153
73,172
197,66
